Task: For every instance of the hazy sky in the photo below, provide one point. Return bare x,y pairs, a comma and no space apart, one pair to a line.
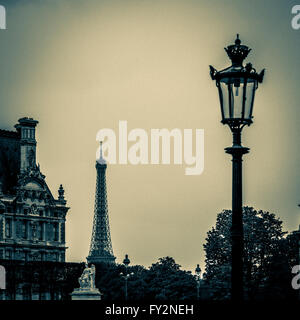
81,65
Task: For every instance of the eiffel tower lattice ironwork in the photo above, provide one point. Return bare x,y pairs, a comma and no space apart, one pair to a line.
101,246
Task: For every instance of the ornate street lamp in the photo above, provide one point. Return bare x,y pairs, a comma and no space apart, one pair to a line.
127,275
198,279
237,85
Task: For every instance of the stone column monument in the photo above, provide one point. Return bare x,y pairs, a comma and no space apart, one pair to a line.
87,290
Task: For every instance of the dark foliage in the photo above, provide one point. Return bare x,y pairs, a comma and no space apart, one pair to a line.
162,281
268,256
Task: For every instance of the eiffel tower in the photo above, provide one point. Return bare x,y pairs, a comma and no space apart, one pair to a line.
101,247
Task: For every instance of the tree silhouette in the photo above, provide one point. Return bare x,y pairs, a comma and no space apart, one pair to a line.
166,281
265,247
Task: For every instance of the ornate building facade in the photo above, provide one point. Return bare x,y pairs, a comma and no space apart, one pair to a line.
32,221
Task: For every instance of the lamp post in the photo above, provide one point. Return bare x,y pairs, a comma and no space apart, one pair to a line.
236,86
125,276
198,279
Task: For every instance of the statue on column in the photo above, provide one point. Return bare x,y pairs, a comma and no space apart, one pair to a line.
87,290
87,279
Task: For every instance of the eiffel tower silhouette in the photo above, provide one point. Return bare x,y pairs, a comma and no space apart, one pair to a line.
101,246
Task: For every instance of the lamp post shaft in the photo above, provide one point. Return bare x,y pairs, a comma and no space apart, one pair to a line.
237,151
237,228
126,292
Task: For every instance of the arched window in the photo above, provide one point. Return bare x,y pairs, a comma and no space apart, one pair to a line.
40,231
8,254
56,231
24,229
26,292
8,228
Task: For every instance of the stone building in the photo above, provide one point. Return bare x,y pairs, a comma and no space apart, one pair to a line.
32,221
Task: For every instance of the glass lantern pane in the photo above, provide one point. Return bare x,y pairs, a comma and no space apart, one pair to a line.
238,97
250,93
237,103
224,100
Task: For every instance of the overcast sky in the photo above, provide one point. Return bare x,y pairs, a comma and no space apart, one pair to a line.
81,65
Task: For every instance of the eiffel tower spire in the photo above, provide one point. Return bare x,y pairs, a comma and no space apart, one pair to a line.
101,247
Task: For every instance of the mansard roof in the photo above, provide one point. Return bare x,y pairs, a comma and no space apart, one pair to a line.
9,134
18,169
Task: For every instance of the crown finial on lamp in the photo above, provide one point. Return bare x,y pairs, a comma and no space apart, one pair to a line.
237,40
126,261
237,52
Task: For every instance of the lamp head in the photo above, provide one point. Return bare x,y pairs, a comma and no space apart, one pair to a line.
237,85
